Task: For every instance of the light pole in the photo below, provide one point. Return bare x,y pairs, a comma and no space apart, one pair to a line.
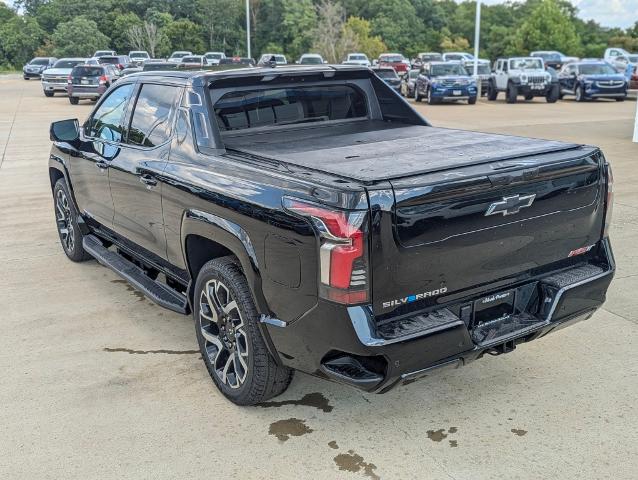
477,37
248,28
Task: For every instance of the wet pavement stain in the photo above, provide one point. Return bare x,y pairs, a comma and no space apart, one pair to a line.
145,352
453,443
292,427
333,444
437,435
140,296
518,432
452,430
316,400
351,462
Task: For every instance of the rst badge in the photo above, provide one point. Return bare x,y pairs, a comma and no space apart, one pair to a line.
510,205
413,298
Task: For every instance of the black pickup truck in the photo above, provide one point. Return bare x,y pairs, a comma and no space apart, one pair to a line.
310,219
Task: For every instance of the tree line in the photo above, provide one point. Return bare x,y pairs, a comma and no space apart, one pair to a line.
329,27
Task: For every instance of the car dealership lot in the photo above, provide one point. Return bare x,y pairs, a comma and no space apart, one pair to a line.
100,382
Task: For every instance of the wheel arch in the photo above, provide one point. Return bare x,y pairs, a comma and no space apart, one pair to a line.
206,236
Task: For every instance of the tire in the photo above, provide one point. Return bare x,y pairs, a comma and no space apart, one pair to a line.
431,100
492,92
620,99
229,337
25,77
49,94
511,94
580,93
417,96
553,94
66,219
74,100
471,101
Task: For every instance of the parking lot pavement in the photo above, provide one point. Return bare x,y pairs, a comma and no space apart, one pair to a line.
98,382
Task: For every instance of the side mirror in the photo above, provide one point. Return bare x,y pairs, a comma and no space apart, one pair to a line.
65,131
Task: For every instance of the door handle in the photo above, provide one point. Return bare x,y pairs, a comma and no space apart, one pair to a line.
102,164
149,180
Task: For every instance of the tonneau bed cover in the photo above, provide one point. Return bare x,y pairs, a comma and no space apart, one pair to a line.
370,151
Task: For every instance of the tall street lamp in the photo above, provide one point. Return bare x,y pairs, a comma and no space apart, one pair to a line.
248,28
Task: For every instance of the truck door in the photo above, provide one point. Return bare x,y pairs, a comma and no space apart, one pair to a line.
501,75
100,141
135,174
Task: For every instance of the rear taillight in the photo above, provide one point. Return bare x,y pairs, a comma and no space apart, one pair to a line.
103,80
609,200
343,262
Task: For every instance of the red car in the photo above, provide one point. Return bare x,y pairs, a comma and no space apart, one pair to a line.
396,61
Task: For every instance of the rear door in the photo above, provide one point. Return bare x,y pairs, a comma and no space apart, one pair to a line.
447,234
100,142
135,174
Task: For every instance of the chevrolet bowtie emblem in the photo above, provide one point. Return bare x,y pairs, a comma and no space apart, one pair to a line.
510,205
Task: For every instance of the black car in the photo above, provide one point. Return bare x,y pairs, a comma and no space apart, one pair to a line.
389,76
310,219
36,66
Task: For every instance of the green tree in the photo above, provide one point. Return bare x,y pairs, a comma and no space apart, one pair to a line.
19,38
371,45
78,37
548,27
225,32
185,35
120,41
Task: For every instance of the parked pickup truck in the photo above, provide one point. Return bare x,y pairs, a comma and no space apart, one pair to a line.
308,218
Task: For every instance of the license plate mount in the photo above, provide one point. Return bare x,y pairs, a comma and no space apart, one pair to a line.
493,307
456,93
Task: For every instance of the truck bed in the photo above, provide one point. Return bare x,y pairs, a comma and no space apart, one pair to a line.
370,150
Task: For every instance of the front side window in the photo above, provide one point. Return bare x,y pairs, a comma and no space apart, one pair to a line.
106,122
153,115
284,106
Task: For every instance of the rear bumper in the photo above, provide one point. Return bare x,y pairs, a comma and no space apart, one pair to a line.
331,342
86,92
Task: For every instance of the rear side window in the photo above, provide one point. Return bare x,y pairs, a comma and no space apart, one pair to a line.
259,108
106,122
151,123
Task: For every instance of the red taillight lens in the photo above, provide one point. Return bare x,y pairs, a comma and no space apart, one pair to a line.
609,201
103,79
343,261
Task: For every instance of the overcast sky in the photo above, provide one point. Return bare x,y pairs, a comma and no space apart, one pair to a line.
610,13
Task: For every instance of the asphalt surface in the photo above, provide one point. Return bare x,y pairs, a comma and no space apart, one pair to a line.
98,382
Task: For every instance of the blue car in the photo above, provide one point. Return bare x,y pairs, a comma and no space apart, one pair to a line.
444,82
592,79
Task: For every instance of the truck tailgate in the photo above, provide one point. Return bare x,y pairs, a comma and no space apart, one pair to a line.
469,228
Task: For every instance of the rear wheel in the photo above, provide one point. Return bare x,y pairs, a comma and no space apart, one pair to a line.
471,100
417,95
66,217
48,94
227,329
512,94
620,99
74,100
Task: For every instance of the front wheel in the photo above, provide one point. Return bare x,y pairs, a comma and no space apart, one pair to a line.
620,99
553,94
512,93
417,95
471,100
74,100
580,93
492,92
431,99
66,217
227,329
48,94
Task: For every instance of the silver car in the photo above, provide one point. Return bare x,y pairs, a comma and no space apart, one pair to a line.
55,79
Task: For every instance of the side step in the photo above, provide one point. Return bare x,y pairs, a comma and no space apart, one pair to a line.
155,291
